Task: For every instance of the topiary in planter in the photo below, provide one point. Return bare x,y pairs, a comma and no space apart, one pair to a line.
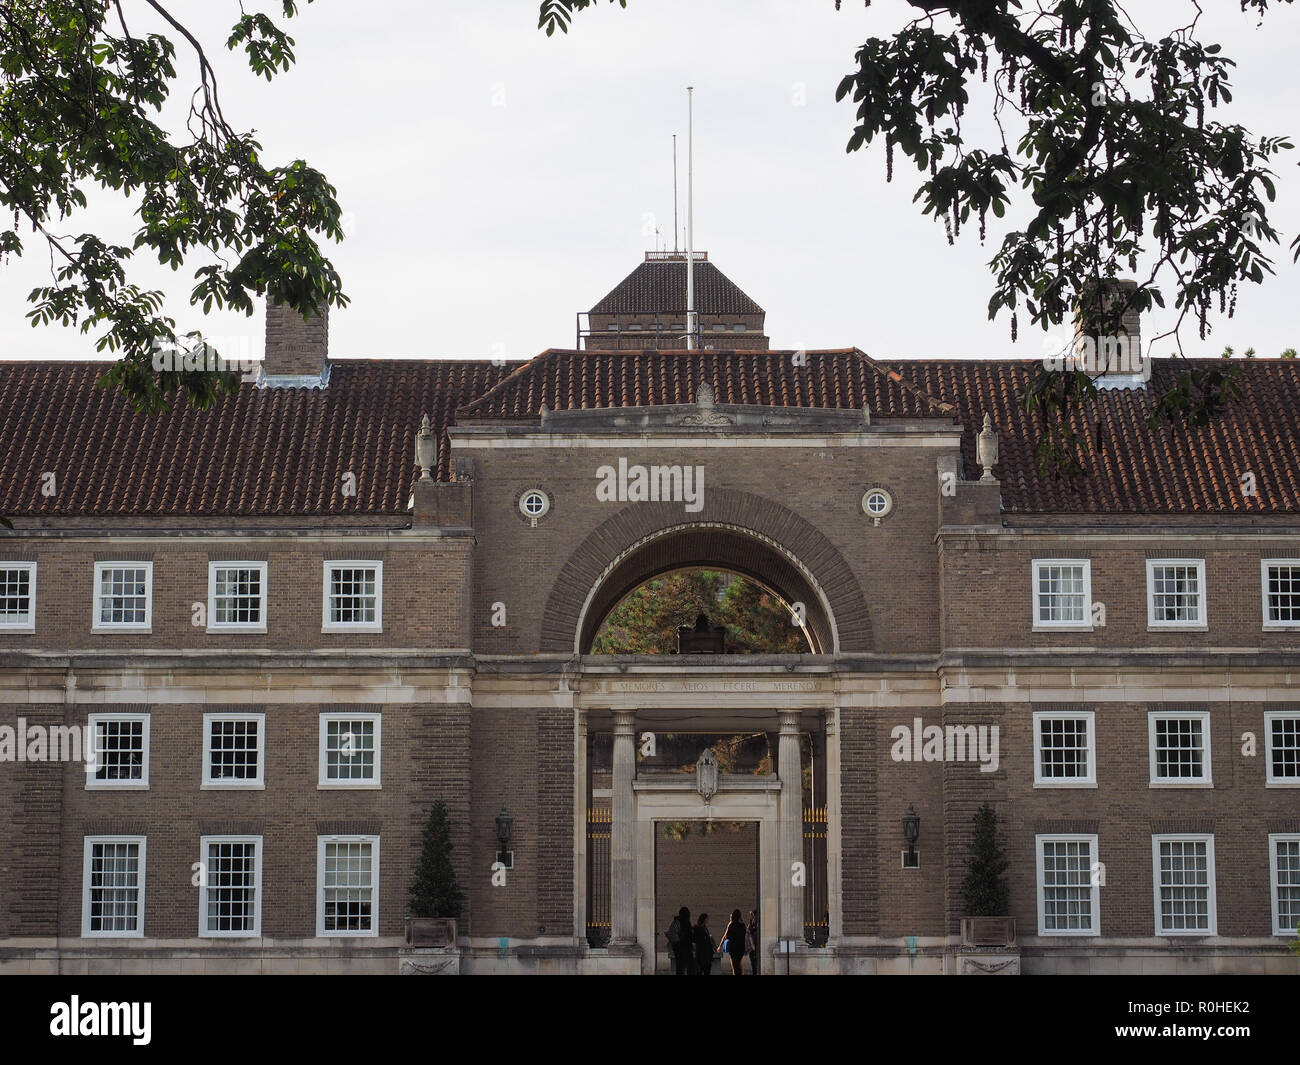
435,898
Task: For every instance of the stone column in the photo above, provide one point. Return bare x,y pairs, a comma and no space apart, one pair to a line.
834,829
622,841
581,803
791,824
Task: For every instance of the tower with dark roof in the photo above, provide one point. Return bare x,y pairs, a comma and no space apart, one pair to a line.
647,309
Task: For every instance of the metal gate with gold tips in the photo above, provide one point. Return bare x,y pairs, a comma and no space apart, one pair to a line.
599,824
816,902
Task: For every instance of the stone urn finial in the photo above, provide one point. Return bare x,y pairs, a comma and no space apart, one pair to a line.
704,395
986,449
426,449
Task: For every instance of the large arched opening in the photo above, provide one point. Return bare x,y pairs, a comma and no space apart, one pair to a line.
735,531
714,548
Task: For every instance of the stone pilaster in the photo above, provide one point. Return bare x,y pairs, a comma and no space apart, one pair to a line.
834,833
622,844
791,824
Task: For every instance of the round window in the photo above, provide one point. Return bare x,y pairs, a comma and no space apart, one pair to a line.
877,502
534,503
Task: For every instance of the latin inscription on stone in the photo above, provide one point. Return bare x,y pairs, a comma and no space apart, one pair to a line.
695,686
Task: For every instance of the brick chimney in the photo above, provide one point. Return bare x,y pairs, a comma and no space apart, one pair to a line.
1110,344
297,349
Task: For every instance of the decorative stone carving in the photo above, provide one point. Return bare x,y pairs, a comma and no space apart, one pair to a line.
986,449
707,413
990,967
706,775
706,416
426,449
430,961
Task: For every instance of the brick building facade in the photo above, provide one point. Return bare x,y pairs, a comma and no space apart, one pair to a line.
288,642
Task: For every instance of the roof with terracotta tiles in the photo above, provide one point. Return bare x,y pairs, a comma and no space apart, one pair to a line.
661,287
257,452
283,452
843,379
1128,467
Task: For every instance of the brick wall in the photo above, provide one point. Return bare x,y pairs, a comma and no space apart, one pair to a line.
424,756
988,589
519,566
425,589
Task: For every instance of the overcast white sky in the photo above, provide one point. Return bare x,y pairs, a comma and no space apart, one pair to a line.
497,181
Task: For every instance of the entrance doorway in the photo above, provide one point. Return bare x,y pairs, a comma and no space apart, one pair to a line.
710,867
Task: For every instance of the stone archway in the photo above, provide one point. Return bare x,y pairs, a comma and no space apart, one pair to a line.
735,530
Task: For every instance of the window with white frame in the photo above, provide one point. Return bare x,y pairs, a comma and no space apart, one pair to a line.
1176,593
1282,747
1184,884
347,901
1179,748
353,599
1280,581
112,897
234,750
17,596
1062,593
1069,899
120,755
231,893
237,596
1065,749
349,750
1284,875
123,596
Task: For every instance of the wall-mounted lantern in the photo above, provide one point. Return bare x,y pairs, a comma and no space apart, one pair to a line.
911,833
504,823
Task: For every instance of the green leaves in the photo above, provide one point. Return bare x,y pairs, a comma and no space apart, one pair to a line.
646,620
1116,146
557,14
76,99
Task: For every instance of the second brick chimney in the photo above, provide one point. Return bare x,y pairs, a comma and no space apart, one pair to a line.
297,349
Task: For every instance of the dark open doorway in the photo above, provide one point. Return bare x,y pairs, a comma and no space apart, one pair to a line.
709,867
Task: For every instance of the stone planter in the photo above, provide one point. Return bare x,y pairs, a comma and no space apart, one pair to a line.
988,932
430,931
988,947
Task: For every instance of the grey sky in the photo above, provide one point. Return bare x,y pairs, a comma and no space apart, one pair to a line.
497,181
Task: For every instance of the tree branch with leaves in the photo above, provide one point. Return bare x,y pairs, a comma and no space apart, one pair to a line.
81,97
1122,169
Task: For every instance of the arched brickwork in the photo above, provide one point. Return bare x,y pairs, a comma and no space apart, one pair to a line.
735,530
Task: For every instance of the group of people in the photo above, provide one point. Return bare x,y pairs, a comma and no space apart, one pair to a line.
693,947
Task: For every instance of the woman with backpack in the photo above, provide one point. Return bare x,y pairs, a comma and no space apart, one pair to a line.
681,943
704,947
734,942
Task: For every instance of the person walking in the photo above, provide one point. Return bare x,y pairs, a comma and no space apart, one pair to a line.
681,943
751,933
734,940
704,947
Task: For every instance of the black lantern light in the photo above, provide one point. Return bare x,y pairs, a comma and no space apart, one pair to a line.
911,833
504,822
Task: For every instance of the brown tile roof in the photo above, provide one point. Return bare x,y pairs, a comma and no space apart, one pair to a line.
661,286
258,452
284,451
1130,468
585,380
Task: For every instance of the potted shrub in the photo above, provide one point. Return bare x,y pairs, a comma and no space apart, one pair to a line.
435,897
984,890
